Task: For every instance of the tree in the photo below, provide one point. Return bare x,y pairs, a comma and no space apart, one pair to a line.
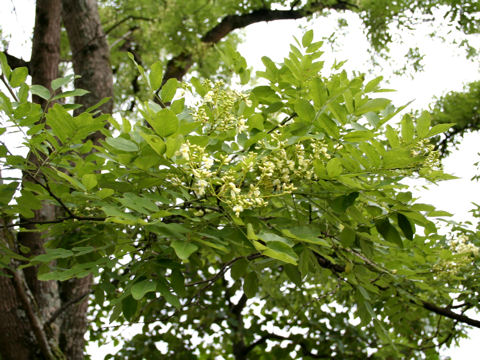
99,197
461,109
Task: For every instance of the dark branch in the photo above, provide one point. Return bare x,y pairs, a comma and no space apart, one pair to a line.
223,270
56,221
15,62
130,17
233,22
269,336
444,311
179,65
450,314
65,306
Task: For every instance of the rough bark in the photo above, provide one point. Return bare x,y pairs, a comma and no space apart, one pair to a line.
90,52
46,44
22,334
16,336
90,57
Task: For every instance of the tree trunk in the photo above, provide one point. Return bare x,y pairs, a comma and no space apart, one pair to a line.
90,52
18,339
90,56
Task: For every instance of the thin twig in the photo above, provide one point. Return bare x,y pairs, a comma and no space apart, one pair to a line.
9,88
223,270
65,306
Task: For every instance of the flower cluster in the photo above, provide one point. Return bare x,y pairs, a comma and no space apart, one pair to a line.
199,164
247,180
462,245
426,149
463,250
219,109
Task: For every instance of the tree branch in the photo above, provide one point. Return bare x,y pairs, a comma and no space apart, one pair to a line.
130,17
450,314
223,270
269,336
178,66
15,62
444,311
65,306
56,221
37,328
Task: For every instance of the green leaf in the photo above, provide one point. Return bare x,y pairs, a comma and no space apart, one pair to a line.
4,65
77,184
61,123
358,136
347,236
323,122
265,94
239,269
423,125
168,90
71,93
173,145
18,76
269,237
89,180
143,287
372,85
392,137
164,122
304,110
250,285
58,83
178,282
281,251
293,274
122,144
256,122
307,38
334,167
183,249
40,91
374,105
406,226
104,193
156,75
408,130
164,289
97,105
438,129
342,203
6,192
52,254
388,232
155,142
307,234
129,307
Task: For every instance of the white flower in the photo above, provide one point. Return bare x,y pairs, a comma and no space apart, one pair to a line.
185,151
208,162
242,126
237,209
201,185
208,96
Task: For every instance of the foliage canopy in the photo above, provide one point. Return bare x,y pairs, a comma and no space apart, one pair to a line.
263,221
288,194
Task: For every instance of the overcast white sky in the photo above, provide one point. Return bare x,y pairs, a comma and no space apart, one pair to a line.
446,69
